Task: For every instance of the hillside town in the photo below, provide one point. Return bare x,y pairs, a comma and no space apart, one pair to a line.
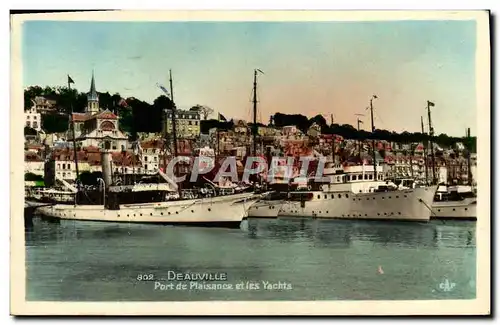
98,128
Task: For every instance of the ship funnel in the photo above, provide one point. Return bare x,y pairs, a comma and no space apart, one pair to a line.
106,168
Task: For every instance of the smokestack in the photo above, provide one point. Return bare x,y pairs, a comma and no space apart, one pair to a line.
106,168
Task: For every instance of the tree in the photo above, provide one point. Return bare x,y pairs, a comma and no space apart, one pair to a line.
29,131
163,102
30,177
29,94
204,111
55,123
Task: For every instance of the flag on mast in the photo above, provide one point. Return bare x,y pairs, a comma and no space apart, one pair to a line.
70,81
431,104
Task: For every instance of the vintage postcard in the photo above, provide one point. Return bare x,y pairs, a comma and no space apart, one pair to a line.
250,163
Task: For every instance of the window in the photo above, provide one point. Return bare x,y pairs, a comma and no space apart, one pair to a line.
28,124
145,158
146,167
35,124
58,166
28,117
366,176
155,158
189,122
64,174
34,117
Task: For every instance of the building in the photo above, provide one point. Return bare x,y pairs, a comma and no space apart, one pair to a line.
33,119
150,156
97,128
187,123
33,163
43,105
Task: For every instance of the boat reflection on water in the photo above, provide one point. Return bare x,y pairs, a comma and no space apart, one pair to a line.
341,233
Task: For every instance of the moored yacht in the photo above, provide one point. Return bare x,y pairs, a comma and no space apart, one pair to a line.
454,202
359,193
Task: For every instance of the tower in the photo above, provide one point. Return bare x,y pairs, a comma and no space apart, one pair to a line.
92,98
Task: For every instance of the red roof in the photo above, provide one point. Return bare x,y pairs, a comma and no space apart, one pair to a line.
106,115
80,117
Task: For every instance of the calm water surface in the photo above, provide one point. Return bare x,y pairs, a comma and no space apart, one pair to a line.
312,259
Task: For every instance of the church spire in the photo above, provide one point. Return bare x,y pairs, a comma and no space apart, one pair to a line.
92,97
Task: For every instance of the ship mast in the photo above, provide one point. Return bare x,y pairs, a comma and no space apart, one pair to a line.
74,140
373,137
431,135
469,171
255,128
174,130
425,150
255,113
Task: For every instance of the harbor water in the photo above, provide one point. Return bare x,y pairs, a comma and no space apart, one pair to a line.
266,259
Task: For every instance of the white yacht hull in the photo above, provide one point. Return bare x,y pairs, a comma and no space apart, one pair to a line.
454,210
265,209
407,205
227,210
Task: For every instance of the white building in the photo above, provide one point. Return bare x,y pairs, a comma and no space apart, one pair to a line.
33,119
33,163
97,128
151,156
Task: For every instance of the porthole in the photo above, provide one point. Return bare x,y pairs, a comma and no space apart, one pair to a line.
385,214
399,213
340,196
209,209
397,196
134,214
378,213
383,197
319,196
406,195
439,210
169,213
368,199
366,215
465,209
389,197
333,196
141,214
118,215
176,212
453,209
192,211
128,215
326,211
269,207
347,196
151,214
162,213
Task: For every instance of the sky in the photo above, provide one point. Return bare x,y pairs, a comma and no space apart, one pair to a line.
309,68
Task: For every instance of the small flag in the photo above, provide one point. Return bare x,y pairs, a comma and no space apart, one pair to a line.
222,117
431,104
70,81
164,90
